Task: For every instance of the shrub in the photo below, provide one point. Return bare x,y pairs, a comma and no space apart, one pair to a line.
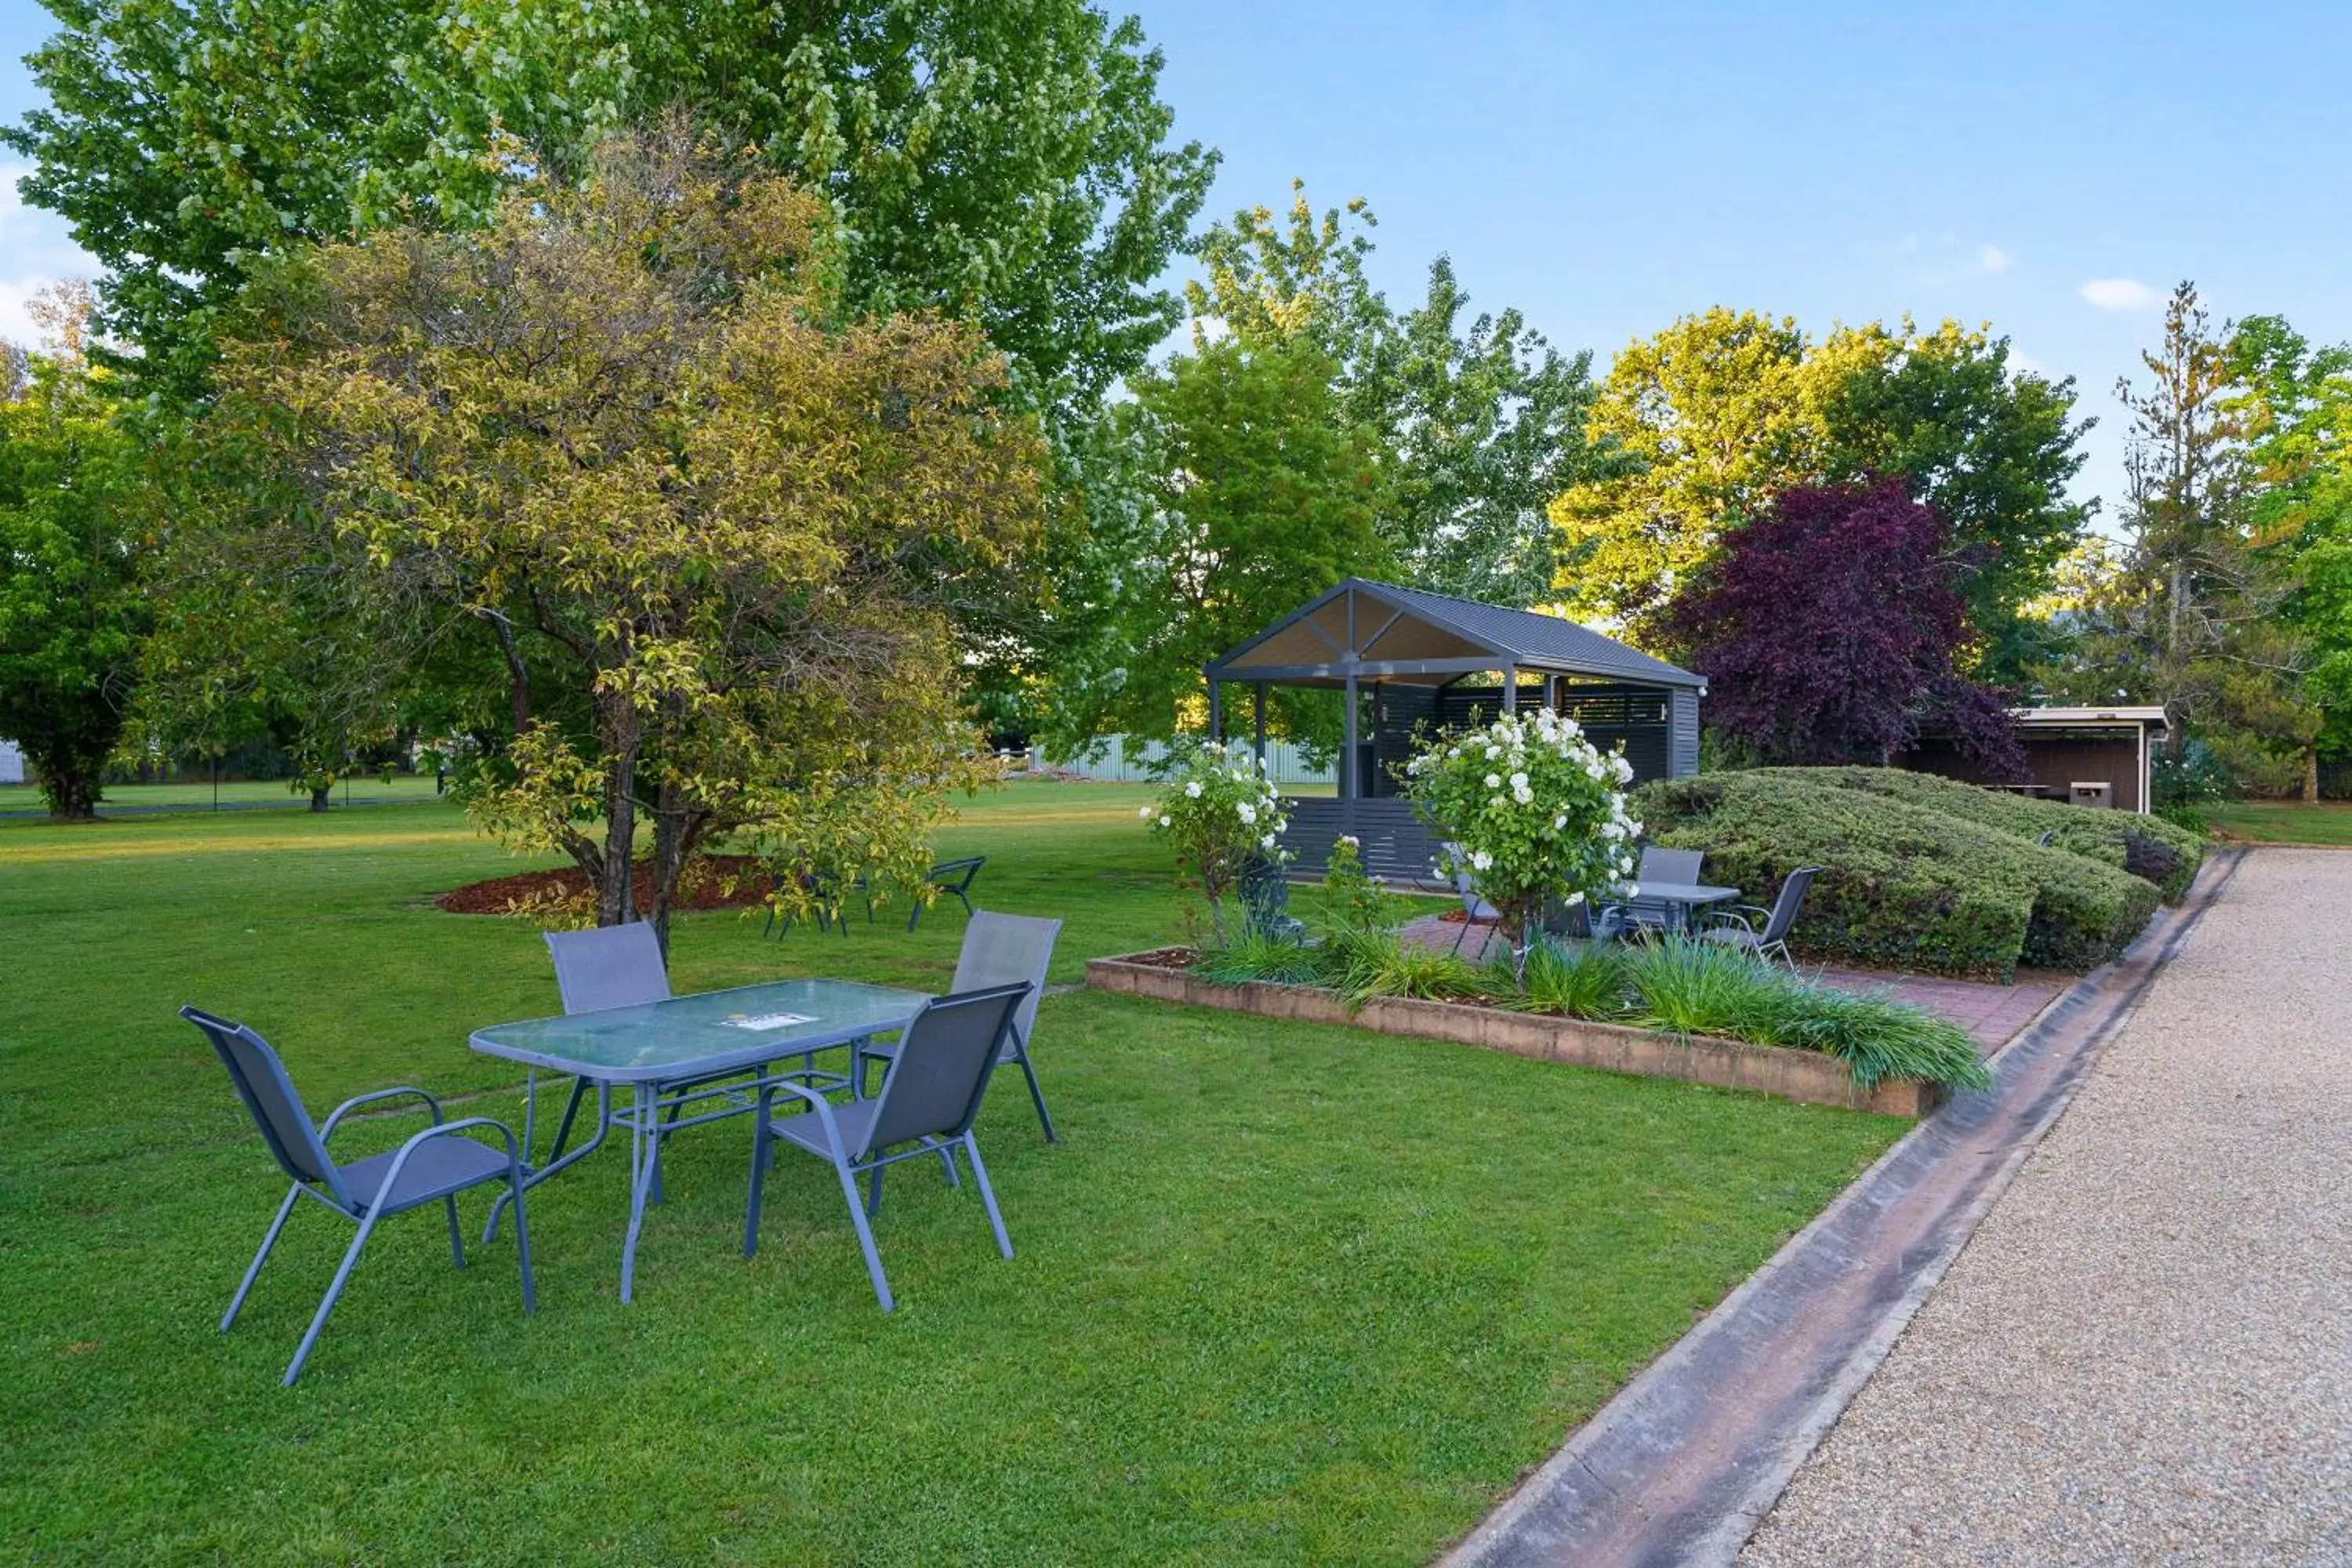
1536,810
1590,981
2103,836
1382,965
1223,814
1350,905
1904,884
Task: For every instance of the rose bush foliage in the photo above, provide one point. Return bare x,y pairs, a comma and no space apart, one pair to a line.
1221,812
1538,810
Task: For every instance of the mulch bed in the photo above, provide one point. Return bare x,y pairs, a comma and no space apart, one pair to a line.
1162,958
706,889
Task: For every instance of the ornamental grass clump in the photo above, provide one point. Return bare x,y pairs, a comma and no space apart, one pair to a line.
1221,814
1538,815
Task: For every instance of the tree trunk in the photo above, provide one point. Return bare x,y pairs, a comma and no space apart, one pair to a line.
322,795
622,733
677,829
2310,775
72,792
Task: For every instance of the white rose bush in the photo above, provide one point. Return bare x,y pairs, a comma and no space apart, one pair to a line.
1539,812
1220,812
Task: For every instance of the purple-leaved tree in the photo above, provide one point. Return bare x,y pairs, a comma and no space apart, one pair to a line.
1829,627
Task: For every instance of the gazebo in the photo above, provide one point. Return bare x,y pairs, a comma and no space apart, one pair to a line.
1407,662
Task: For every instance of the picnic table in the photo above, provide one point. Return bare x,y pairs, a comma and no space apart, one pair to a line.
664,1053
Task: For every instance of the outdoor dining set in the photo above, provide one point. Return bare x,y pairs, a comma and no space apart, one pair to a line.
658,1065
1669,898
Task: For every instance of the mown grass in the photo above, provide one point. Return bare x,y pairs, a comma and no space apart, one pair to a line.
2281,822
242,795
1284,1294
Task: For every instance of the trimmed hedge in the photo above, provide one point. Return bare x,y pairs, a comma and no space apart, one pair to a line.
2147,846
1904,884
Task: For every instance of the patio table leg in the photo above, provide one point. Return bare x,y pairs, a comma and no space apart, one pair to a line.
533,1177
644,1150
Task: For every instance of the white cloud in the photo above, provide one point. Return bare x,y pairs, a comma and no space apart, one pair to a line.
2121,294
2024,363
40,251
1993,259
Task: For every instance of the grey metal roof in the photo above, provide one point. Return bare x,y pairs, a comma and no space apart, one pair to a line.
1514,636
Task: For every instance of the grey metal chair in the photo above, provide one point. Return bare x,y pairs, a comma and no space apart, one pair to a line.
1659,864
928,1103
615,966
433,1166
1770,941
953,878
1476,911
998,950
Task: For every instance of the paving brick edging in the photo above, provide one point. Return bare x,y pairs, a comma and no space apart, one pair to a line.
1805,1076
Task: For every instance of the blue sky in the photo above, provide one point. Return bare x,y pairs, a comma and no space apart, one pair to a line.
1606,168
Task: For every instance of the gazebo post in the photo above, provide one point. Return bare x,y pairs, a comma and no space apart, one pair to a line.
1510,689
1258,702
1216,712
1348,780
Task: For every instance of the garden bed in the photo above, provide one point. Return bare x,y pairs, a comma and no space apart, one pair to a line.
1808,1077
718,882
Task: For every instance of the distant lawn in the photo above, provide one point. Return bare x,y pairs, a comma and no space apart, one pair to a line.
142,798
2282,822
1283,1294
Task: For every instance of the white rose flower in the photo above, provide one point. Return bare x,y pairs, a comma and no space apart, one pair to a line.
1494,781
1143,812
1519,779
1559,822
1524,795
1481,861
1192,790
1248,812
1163,819
1496,800
1576,898
1266,842
1494,752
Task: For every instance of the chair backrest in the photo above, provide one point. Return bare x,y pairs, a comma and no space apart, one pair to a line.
1786,907
941,1070
269,1095
1660,865
619,966
1001,950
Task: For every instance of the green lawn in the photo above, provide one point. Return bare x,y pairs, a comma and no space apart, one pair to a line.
2282,821
1283,1294
200,796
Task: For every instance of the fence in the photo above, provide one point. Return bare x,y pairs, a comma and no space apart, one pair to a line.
1125,761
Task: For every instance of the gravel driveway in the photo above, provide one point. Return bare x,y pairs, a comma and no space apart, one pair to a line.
2144,1354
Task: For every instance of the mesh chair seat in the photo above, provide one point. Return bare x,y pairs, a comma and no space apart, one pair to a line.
435,1170
855,1121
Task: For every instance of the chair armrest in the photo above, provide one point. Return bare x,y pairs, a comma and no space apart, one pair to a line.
355,1102
816,1102
1737,914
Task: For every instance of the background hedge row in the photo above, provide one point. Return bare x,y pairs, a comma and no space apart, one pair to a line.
1921,873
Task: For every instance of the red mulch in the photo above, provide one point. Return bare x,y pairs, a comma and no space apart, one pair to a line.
1162,958
706,890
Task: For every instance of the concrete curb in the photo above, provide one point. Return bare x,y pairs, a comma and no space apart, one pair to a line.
1680,1466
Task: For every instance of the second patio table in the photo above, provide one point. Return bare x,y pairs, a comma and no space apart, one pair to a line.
669,1045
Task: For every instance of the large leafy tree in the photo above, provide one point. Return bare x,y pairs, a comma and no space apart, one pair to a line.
711,530
2192,612
1830,626
2297,409
1255,494
1698,426
73,548
1004,161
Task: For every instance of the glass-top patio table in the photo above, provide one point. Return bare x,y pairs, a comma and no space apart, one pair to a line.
660,1048
1684,898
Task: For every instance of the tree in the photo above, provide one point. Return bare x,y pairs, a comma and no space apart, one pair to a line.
624,436
1260,495
2297,410
1829,627
1697,427
2193,613
1006,161
71,551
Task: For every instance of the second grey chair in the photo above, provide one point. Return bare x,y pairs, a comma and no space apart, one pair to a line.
1660,865
937,1080
998,950
433,1166
1770,941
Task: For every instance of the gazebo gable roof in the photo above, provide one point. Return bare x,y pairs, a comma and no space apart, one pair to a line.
1384,629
